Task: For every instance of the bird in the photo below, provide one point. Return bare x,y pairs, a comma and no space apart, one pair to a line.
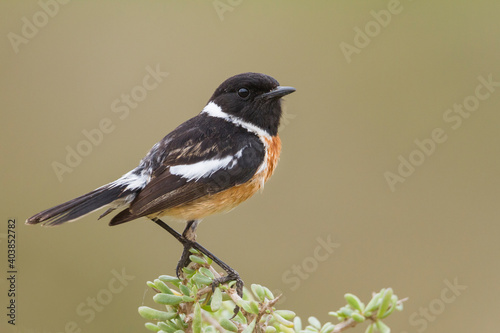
209,164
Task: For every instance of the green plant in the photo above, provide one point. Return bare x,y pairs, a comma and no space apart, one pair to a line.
190,305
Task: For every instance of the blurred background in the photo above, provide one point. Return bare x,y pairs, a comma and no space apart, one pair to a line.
388,175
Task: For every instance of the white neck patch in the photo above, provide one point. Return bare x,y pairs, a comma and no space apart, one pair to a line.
213,110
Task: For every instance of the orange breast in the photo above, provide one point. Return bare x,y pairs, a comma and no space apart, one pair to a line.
232,197
273,154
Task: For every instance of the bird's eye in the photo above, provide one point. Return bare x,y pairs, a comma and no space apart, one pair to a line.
243,92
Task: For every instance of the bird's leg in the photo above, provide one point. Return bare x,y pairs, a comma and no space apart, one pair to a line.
189,235
181,238
232,275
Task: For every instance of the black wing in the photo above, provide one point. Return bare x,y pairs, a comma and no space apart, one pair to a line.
193,143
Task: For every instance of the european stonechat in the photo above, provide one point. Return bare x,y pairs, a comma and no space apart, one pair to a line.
209,164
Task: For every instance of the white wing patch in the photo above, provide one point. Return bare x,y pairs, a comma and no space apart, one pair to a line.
206,168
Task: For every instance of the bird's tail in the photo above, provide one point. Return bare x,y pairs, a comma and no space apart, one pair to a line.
83,205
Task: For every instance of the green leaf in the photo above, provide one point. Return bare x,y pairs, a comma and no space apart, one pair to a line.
386,301
225,297
354,301
202,279
394,300
216,300
285,329
358,317
194,288
187,299
345,311
240,317
184,289
228,325
314,322
370,328
297,324
327,328
258,291
249,328
255,307
270,329
383,328
287,314
372,305
210,329
167,299
205,271
249,306
168,278
180,324
282,320
166,327
198,260
152,327
152,314
161,286
333,313
169,330
197,318
268,293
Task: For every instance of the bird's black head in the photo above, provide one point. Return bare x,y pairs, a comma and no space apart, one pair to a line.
254,98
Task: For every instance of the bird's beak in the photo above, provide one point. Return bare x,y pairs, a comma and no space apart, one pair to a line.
280,91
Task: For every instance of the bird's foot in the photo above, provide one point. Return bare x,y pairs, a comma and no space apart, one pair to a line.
184,261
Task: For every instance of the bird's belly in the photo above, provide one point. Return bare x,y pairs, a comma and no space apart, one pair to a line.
228,199
216,203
